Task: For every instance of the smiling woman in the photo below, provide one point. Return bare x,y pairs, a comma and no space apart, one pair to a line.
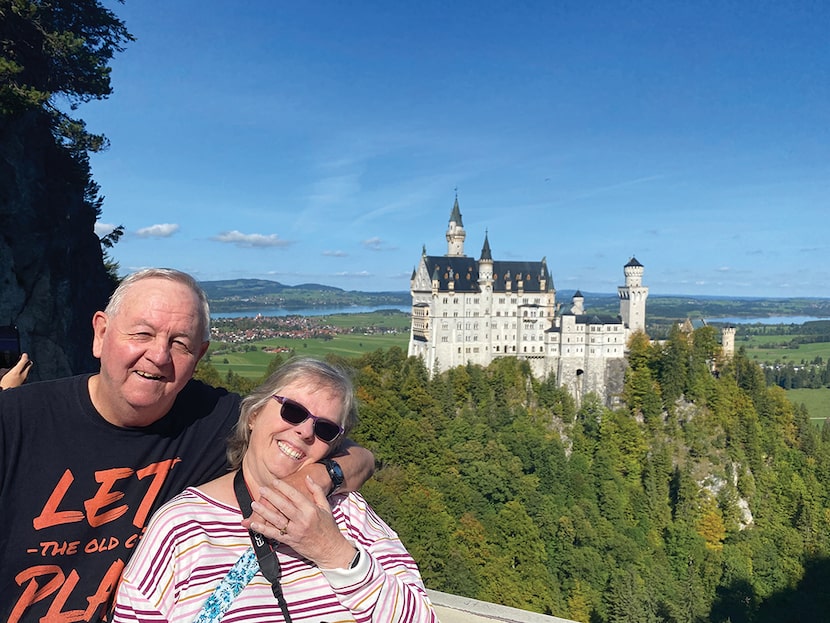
335,559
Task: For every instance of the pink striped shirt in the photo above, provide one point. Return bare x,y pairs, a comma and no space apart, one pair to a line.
193,540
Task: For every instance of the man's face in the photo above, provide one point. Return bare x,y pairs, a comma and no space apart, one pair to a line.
148,350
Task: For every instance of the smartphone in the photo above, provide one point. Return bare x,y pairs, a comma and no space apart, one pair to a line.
9,346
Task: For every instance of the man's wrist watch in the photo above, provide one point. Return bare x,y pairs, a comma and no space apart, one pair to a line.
335,473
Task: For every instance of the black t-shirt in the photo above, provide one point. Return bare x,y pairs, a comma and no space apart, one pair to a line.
76,492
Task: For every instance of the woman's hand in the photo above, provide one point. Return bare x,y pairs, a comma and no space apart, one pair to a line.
305,524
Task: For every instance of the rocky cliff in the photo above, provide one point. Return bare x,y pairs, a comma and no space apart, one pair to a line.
52,275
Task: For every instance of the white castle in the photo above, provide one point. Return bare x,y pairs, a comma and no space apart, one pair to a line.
473,311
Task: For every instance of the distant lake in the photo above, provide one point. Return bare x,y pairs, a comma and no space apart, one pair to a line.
308,311
767,320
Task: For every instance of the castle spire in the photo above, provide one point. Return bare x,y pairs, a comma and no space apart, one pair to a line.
485,250
455,232
455,216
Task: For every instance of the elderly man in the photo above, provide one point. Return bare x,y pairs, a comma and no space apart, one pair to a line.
86,460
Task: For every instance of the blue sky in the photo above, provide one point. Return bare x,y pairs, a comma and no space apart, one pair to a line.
324,141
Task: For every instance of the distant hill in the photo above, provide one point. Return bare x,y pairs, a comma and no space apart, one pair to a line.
242,294
247,288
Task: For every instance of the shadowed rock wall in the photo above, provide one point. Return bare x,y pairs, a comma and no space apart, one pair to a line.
52,276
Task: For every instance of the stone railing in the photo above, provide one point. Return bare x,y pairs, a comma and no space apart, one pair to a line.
455,609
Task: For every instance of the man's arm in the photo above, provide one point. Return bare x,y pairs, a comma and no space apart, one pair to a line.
357,463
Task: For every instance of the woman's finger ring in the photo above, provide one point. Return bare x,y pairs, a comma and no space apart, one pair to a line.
284,529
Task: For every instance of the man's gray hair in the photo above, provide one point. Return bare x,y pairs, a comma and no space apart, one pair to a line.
170,274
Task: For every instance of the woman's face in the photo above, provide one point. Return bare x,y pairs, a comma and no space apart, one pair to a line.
278,448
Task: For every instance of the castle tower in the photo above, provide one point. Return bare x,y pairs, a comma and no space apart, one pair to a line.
455,233
485,266
727,341
633,297
578,307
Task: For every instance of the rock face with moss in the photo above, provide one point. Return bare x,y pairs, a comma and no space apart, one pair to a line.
54,56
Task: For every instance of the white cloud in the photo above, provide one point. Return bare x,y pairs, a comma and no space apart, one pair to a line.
377,244
250,241
103,229
358,275
337,253
161,230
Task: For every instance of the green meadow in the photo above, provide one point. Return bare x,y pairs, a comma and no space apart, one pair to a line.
778,349
817,402
253,362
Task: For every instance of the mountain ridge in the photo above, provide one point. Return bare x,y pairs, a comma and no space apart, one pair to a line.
241,294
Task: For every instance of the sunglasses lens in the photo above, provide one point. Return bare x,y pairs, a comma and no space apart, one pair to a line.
325,430
293,413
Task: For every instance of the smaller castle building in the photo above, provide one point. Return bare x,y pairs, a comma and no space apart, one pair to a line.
467,310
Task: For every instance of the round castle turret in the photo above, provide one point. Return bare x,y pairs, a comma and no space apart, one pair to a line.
633,296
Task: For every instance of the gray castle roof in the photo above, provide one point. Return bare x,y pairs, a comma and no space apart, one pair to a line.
464,273
455,215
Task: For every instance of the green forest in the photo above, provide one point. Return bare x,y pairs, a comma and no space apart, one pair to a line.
703,498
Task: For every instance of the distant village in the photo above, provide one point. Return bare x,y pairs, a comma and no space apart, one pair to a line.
258,328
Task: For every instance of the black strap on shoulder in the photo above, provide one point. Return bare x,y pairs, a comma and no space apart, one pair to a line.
266,555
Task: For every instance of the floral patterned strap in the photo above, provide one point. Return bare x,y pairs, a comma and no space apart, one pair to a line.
231,585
